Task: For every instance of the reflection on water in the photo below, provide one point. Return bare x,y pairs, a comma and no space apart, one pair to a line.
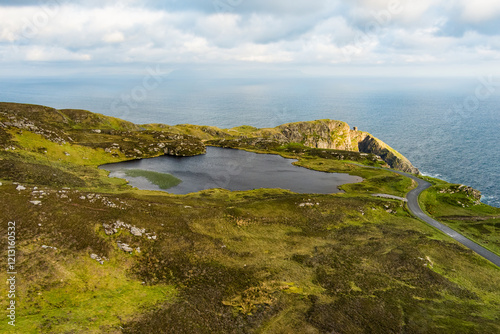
233,170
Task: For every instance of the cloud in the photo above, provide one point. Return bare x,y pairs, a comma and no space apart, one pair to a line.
53,54
300,33
480,10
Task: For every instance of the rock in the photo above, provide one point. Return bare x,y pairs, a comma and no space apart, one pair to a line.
108,229
36,202
67,154
97,258
136,231
20,187
125,247
370,144
326,134
45,247
0,183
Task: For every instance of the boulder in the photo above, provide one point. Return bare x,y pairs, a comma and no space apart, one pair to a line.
136,231
125,247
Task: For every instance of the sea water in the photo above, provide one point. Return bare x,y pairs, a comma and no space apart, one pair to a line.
448,128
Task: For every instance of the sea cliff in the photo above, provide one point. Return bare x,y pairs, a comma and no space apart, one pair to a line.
322,134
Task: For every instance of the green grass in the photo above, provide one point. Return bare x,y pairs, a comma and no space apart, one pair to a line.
162,180
375,181
43,149
252,260
478,222
235,262
84,295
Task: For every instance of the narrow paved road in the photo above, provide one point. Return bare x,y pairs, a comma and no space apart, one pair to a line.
414,207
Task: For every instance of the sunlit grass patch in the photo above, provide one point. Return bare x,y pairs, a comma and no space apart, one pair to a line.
83,296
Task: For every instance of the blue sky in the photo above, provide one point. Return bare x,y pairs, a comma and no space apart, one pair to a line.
313,37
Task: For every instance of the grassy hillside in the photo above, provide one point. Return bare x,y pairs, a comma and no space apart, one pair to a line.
97,256
459,207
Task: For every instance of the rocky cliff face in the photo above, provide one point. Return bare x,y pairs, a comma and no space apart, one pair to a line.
370,144
318,134
338,135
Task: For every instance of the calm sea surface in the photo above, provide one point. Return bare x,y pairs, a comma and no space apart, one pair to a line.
414,116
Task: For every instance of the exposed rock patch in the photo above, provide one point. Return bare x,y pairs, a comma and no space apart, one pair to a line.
98,258
473,195
318,134
125,247
115,227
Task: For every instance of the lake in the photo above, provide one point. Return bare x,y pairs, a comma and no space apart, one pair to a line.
233,170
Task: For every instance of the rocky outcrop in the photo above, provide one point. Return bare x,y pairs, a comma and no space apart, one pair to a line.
471,195
326,134
394,159
183,146
329,134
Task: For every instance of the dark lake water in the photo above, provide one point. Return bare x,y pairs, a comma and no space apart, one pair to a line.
233,170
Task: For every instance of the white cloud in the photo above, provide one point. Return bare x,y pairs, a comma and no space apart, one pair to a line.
114,37
317,32
53,54
480,10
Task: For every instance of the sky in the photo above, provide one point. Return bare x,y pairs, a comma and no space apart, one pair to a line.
306,37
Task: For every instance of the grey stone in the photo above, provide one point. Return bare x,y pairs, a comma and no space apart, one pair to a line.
136,231
125,247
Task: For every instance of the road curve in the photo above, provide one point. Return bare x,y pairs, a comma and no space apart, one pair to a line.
414,207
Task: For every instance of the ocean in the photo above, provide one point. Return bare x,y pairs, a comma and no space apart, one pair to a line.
448,128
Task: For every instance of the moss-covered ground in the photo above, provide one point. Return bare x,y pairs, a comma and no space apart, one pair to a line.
261,261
